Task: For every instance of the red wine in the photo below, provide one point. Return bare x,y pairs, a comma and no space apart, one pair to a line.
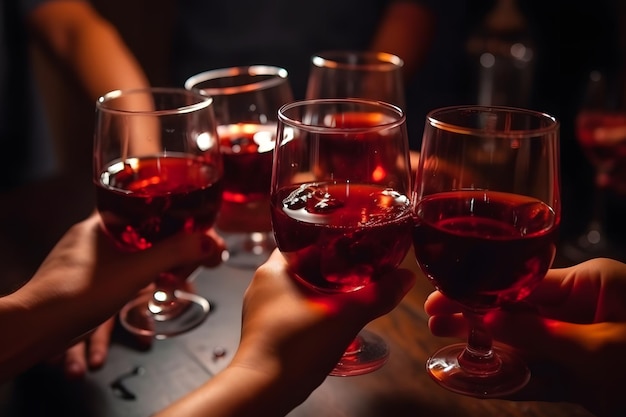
482,247
341,237
355,153
247,155
143,201
606,152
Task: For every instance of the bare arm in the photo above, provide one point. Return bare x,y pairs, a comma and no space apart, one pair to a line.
84,281
90,46
406,30
290,340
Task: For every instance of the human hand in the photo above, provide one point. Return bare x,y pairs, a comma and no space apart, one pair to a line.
291,338
573,323
297,335
82,283
91,352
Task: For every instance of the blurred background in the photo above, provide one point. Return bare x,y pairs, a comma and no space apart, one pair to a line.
526,53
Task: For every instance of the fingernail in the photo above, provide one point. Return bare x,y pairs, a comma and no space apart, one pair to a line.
74,370
96,359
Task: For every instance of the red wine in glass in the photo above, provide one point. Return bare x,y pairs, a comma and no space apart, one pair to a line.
607,150
341,237
157,172
484,248
144,200
340,212
486,204
601,133
247,150
247,99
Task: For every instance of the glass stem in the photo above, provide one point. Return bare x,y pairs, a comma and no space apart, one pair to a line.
478,356
164,304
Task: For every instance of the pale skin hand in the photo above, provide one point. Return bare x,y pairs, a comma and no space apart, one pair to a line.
574,323
82,283
291,339
406,30
89,45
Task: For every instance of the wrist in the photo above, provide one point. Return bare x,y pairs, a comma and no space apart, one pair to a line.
237,391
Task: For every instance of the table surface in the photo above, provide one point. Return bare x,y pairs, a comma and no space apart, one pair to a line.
168,369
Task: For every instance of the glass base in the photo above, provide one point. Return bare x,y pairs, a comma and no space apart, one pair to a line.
366,354
444,368
137,318
248,250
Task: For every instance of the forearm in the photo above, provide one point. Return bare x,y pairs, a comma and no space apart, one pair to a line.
30,318
63,300
88,45
406,30
236,392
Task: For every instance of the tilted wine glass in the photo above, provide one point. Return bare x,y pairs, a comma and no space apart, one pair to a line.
157,172
246,102
487,208
339,202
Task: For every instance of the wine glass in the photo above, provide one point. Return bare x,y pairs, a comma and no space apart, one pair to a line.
486,216
246,102
339,202
361,74
157,172
601,132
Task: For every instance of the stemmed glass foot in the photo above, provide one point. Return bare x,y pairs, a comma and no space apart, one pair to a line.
450,369
146,316
367,353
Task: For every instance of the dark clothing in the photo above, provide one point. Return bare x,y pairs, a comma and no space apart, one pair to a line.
221,34
25,141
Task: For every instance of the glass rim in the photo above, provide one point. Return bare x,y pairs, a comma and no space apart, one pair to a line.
374,104
433,119
279,74
335,59
202,101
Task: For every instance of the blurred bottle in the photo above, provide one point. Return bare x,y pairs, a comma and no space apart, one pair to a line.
500,50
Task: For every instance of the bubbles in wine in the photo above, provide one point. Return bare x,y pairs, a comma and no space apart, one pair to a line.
315,199
369,209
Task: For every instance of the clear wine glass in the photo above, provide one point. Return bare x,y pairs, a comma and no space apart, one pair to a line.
157,172
246,102
360,74
339,201
487,210
600,129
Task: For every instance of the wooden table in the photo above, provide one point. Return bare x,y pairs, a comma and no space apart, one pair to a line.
172,367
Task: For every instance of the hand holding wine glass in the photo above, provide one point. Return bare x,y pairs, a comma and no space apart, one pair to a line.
157,172
487,211
571,328
339,202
